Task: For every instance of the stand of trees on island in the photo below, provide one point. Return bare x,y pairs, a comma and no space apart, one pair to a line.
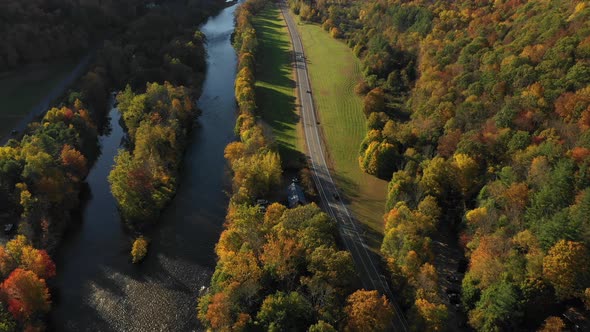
157,120
277,270
478,113
144,178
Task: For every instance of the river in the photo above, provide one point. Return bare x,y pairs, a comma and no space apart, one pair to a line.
97,288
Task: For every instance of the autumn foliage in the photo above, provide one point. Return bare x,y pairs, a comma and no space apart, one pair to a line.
368,311
483,106
567,267
256,168
18,252
24,292
144,180
41,176
139,249
278,269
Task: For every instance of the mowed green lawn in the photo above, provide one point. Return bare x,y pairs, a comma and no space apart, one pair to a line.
275,87
334,71
22,89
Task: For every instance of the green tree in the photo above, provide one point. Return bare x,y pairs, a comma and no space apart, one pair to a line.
497,309
283,312
321,326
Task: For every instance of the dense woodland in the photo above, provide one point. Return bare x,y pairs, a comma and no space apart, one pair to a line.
46,30
278,269
281,270
41,175
478,112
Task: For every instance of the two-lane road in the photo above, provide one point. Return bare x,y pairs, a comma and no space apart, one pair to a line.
330,198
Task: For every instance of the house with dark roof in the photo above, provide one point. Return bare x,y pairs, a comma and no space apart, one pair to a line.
295,195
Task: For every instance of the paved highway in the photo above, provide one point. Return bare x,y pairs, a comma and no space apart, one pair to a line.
330,198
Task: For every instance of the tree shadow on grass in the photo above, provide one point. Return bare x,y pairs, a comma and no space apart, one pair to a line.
348,187
275,86
274,56
278,110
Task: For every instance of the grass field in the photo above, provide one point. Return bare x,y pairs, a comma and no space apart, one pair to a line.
334,71
275,94
21,90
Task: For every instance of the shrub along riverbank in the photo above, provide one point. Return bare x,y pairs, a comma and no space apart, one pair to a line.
278,269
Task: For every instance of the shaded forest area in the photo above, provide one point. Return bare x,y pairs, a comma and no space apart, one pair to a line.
45,30
478,112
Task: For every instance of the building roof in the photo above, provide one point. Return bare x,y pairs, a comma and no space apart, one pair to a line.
295,195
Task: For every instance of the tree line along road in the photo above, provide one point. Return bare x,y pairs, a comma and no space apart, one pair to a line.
368,271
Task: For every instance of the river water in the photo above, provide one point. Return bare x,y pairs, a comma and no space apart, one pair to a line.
97,288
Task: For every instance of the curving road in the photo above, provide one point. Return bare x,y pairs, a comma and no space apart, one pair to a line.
330,198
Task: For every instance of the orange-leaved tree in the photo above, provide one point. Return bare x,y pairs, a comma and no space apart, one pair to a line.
367,311
26,294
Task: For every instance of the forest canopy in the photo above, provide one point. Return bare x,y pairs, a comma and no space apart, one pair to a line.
45,30
478,113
